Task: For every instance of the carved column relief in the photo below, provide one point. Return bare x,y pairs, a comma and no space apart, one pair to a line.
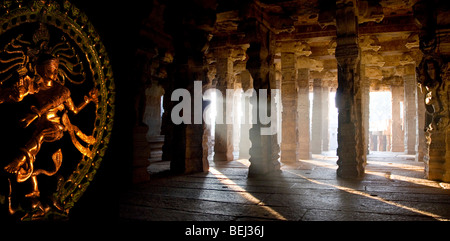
433,75
304,135
325,121
191,38
264,152
147,138
397,129
244,143
223,144
412,43
371,63
317,115
289,111
351,158
422,146
410,130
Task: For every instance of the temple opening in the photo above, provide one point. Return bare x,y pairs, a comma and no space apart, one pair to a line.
380,121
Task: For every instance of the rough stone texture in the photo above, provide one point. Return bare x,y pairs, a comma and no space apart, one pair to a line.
141,153
325,120
244,143
354,47
422,147
223,143
289,110
304,134
433,73
393,189
264,152
410,113
317,118
398,144
351,148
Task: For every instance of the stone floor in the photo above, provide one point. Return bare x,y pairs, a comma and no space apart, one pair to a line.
393,189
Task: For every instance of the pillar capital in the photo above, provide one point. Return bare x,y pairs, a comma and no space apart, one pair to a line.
412,42
300,48
233,51
407,59
303,113
370,11
372,59
351,141
289,111
310,63
332,47
369,43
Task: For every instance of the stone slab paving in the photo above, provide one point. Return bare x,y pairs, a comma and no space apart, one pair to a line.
393,189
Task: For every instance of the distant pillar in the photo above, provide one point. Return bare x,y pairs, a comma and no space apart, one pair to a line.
264,151
289,111
351,156
410,112
317,112
421,141
325,121
397,131
365,105
244,143
223,142
303,120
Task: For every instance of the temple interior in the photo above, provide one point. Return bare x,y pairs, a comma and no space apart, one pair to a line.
275,110
355,93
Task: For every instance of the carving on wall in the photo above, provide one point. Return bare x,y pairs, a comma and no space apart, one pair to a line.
431,71
56,100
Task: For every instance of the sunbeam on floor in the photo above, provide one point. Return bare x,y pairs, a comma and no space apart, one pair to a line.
393,189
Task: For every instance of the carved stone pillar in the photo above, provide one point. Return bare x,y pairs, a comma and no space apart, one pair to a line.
398,144
410,111
304,151
365,104
289,111
371,64
325,121
244,143
422,147
351,158
433,73
184,141
141,153
196,140
264,152
316,129
223,143
152,113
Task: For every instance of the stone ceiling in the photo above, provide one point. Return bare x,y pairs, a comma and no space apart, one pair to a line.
387,34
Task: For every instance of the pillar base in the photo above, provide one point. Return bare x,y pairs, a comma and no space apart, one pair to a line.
141,154
289,157
350,170
255,172
223,157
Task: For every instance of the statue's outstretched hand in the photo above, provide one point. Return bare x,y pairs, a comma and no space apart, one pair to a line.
93,95
25,122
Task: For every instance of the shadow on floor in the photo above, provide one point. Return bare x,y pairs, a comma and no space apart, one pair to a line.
393,189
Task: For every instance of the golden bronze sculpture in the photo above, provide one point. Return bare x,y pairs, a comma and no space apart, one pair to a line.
56,85
53,99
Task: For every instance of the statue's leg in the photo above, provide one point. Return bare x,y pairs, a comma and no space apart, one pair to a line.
35,190
29,151
38,208
53,132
